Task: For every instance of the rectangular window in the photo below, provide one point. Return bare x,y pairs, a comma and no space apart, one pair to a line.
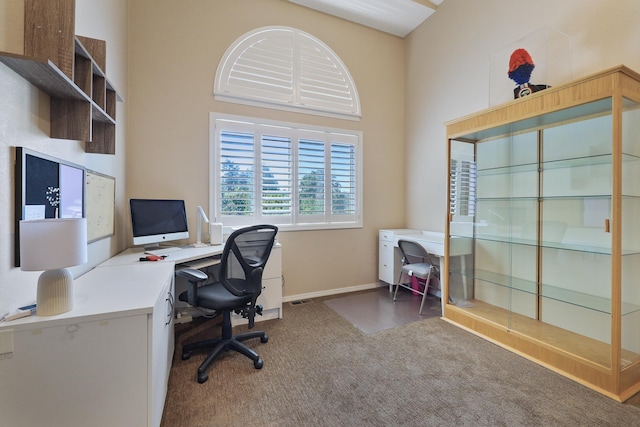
309,177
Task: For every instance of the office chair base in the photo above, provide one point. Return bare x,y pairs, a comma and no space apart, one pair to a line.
203,376
225,343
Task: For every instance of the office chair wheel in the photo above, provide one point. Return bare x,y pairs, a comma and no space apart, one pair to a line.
264,338
258,364
186,356
202,378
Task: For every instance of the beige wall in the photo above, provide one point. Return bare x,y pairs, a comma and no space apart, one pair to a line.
166,78
175,47
24,121
448,73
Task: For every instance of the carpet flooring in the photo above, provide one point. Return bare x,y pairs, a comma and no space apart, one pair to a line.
320,370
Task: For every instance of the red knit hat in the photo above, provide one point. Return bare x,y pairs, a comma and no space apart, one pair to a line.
519,57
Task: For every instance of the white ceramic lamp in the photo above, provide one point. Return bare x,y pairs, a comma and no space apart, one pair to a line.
53,245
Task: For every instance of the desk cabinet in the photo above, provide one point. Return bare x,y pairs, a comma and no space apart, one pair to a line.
387,257
553,229
160,331
105,363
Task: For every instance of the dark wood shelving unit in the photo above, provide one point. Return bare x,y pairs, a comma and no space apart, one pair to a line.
70,69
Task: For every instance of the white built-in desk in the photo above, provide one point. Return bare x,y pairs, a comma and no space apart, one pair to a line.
187,256
106,362
389,258
200,257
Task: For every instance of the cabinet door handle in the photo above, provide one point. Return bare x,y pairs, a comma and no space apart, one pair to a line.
72,329
607,226
169,307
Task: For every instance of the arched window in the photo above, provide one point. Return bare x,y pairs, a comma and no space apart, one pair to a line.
285,68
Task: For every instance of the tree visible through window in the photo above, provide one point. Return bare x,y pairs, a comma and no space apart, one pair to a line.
291,186
311,173
237,178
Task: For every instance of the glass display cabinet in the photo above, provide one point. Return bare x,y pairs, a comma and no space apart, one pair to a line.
546,189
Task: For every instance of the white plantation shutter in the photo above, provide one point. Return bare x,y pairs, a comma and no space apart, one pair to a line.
311,171
462,195
258,66
296,176
281,67
343,179
323,81
276,176
453,185
467,188
237,172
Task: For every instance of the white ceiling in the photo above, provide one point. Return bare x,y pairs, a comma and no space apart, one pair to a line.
397,17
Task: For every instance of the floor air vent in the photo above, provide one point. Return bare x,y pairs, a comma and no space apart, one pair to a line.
301,301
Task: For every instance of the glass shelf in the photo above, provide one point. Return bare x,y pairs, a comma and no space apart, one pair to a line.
550,245
577,247
524,198
590,302
502,280
567,296
508,170
603,159
509,240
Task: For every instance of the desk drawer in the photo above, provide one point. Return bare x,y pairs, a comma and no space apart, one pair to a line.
386,235
434,248
386,261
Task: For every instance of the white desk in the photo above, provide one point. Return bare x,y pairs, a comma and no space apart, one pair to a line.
188,256
433,241
200,257
104,363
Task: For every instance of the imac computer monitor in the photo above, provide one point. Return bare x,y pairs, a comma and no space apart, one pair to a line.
156,221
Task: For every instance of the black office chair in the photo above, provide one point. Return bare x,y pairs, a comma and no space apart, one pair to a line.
244,256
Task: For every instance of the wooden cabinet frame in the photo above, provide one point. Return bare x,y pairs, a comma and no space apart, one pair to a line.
606,367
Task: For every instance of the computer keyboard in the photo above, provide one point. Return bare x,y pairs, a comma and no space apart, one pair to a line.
163,251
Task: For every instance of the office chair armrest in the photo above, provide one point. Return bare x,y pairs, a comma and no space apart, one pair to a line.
194,277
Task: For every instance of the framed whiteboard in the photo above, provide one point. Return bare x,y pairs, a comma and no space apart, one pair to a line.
100,205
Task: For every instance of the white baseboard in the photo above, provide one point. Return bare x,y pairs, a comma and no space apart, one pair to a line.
333,292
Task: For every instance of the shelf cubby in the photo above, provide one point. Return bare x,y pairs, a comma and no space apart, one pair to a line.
70,69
